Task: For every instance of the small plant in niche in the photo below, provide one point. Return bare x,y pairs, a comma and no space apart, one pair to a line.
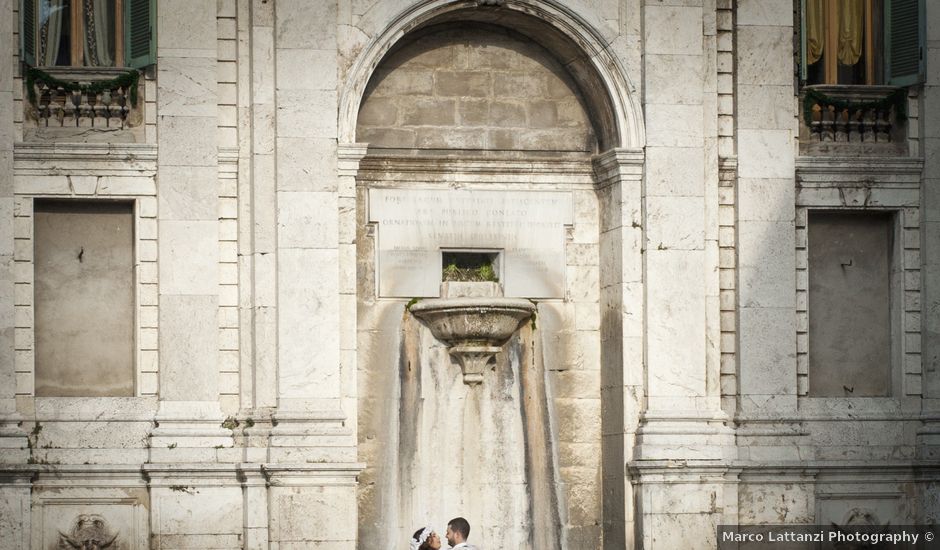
469,267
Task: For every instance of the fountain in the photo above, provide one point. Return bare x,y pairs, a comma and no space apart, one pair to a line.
457,403
474,328
476,443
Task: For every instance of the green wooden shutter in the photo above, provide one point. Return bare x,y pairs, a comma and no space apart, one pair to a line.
28,32
904,42
804,70
140,33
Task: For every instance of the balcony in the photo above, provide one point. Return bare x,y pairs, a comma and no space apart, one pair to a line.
83,104
853,120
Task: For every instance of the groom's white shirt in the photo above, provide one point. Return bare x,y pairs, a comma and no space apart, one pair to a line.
465,546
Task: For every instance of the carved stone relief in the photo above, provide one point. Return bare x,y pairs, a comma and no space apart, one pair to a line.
89,532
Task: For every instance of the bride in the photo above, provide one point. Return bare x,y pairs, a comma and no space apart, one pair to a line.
425,539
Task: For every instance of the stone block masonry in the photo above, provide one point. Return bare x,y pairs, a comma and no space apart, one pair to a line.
271,387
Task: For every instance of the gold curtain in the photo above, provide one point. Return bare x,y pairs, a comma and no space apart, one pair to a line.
815,30
851,30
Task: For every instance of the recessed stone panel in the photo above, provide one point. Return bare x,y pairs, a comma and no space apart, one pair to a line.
81,517
414,226
84,293
850,264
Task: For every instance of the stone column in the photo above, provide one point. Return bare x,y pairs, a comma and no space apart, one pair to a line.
12,438
930,238
766,246
187,176
619,175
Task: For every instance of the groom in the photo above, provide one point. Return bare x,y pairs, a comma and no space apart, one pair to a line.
458,530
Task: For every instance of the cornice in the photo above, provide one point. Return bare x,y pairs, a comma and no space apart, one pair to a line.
85,151
855,166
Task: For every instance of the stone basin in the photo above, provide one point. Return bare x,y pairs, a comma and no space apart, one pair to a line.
491,320
474,329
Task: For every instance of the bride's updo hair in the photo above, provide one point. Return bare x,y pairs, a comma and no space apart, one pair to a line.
426,545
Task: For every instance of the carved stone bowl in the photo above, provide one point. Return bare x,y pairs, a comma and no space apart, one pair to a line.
490,321
474,329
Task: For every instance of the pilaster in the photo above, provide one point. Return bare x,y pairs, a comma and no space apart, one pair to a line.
257,237
681,419
257,242
12,438
679,224
313,505
313,230
15,487
619,175
255,487
189,416
196,505
682,507
929,435
765,212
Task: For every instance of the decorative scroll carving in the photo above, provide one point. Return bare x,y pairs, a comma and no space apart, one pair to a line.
89,532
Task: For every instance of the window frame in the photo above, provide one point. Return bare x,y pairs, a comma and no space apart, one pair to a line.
887,52
830,63
133,188
865,183
904,295
134,34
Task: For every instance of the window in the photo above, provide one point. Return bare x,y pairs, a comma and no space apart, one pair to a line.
87,33
862,42
84,298
850,303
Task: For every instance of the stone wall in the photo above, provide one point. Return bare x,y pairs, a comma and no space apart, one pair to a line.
675,365
473,89
931,205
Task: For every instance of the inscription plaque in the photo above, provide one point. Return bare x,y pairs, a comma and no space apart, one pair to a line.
414,225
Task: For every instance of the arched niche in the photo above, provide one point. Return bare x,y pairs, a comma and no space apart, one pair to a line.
474,87
601,116
580,50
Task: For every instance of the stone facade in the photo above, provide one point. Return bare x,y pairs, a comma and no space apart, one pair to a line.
279,393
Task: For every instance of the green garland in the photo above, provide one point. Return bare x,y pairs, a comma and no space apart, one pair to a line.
896,99
128,81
